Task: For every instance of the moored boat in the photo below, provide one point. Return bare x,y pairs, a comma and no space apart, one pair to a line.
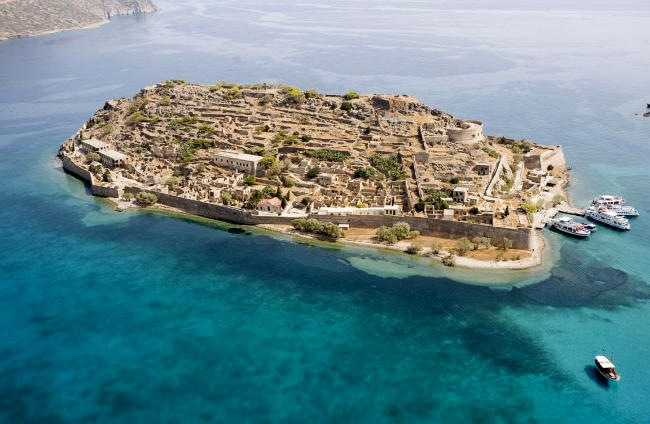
568,226
616,204
588,225
607,217
606,368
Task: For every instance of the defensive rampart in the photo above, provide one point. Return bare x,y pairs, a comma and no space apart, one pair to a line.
521,238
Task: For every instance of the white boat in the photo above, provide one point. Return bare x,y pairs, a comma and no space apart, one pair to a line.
606,368
616,204
607,217
568,226
588,225
624,210
608,200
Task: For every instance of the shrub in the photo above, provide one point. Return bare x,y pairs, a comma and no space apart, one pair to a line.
399,231
287,181
364,173
327,155
268,160
528,207
305,138
463,245
350,95
473,210
207,129
481,242
454,180
549,168
293,95
262,128
306,201
146,199
346,106
505,244
250,180
312,94
414,248
92,157
173,183
313,172
436,247
449,261
165,101
226,198
128,196
314,226
388,166
491,152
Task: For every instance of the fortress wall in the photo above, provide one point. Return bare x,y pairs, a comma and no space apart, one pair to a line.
521,238
76,170
436,227
103,191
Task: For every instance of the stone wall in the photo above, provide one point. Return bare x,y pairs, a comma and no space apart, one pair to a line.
521,238
436,227
84,174
495,177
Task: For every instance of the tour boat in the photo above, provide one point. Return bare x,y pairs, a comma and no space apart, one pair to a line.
608,200
606,368
615,204
607,217
568,226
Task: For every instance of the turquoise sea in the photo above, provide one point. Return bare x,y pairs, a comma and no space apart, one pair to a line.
140,317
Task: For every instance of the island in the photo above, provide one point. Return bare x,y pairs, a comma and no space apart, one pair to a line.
371,169
23,18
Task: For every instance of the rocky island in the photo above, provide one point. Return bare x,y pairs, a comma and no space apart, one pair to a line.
376,169
23,18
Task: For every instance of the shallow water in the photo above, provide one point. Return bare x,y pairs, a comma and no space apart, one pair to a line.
141,317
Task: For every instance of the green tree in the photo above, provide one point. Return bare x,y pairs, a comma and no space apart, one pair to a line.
473,210
146,199
346,106
313,172
350,95
287,181
92,157
173,183
226,198
250,180
463,245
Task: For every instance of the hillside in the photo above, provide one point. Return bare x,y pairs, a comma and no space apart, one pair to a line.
23,18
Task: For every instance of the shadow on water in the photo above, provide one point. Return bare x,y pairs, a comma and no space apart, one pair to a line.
595,376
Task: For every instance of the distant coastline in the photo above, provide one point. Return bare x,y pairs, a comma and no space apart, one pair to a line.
19,18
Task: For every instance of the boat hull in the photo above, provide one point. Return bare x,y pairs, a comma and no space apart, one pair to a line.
609,224
569,233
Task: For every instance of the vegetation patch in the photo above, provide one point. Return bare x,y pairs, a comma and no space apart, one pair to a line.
314,226
327,155
388,165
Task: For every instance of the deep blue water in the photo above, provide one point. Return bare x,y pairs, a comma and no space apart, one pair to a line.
141,317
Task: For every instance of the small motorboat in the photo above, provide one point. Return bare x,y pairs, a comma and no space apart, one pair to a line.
589,226
606,368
